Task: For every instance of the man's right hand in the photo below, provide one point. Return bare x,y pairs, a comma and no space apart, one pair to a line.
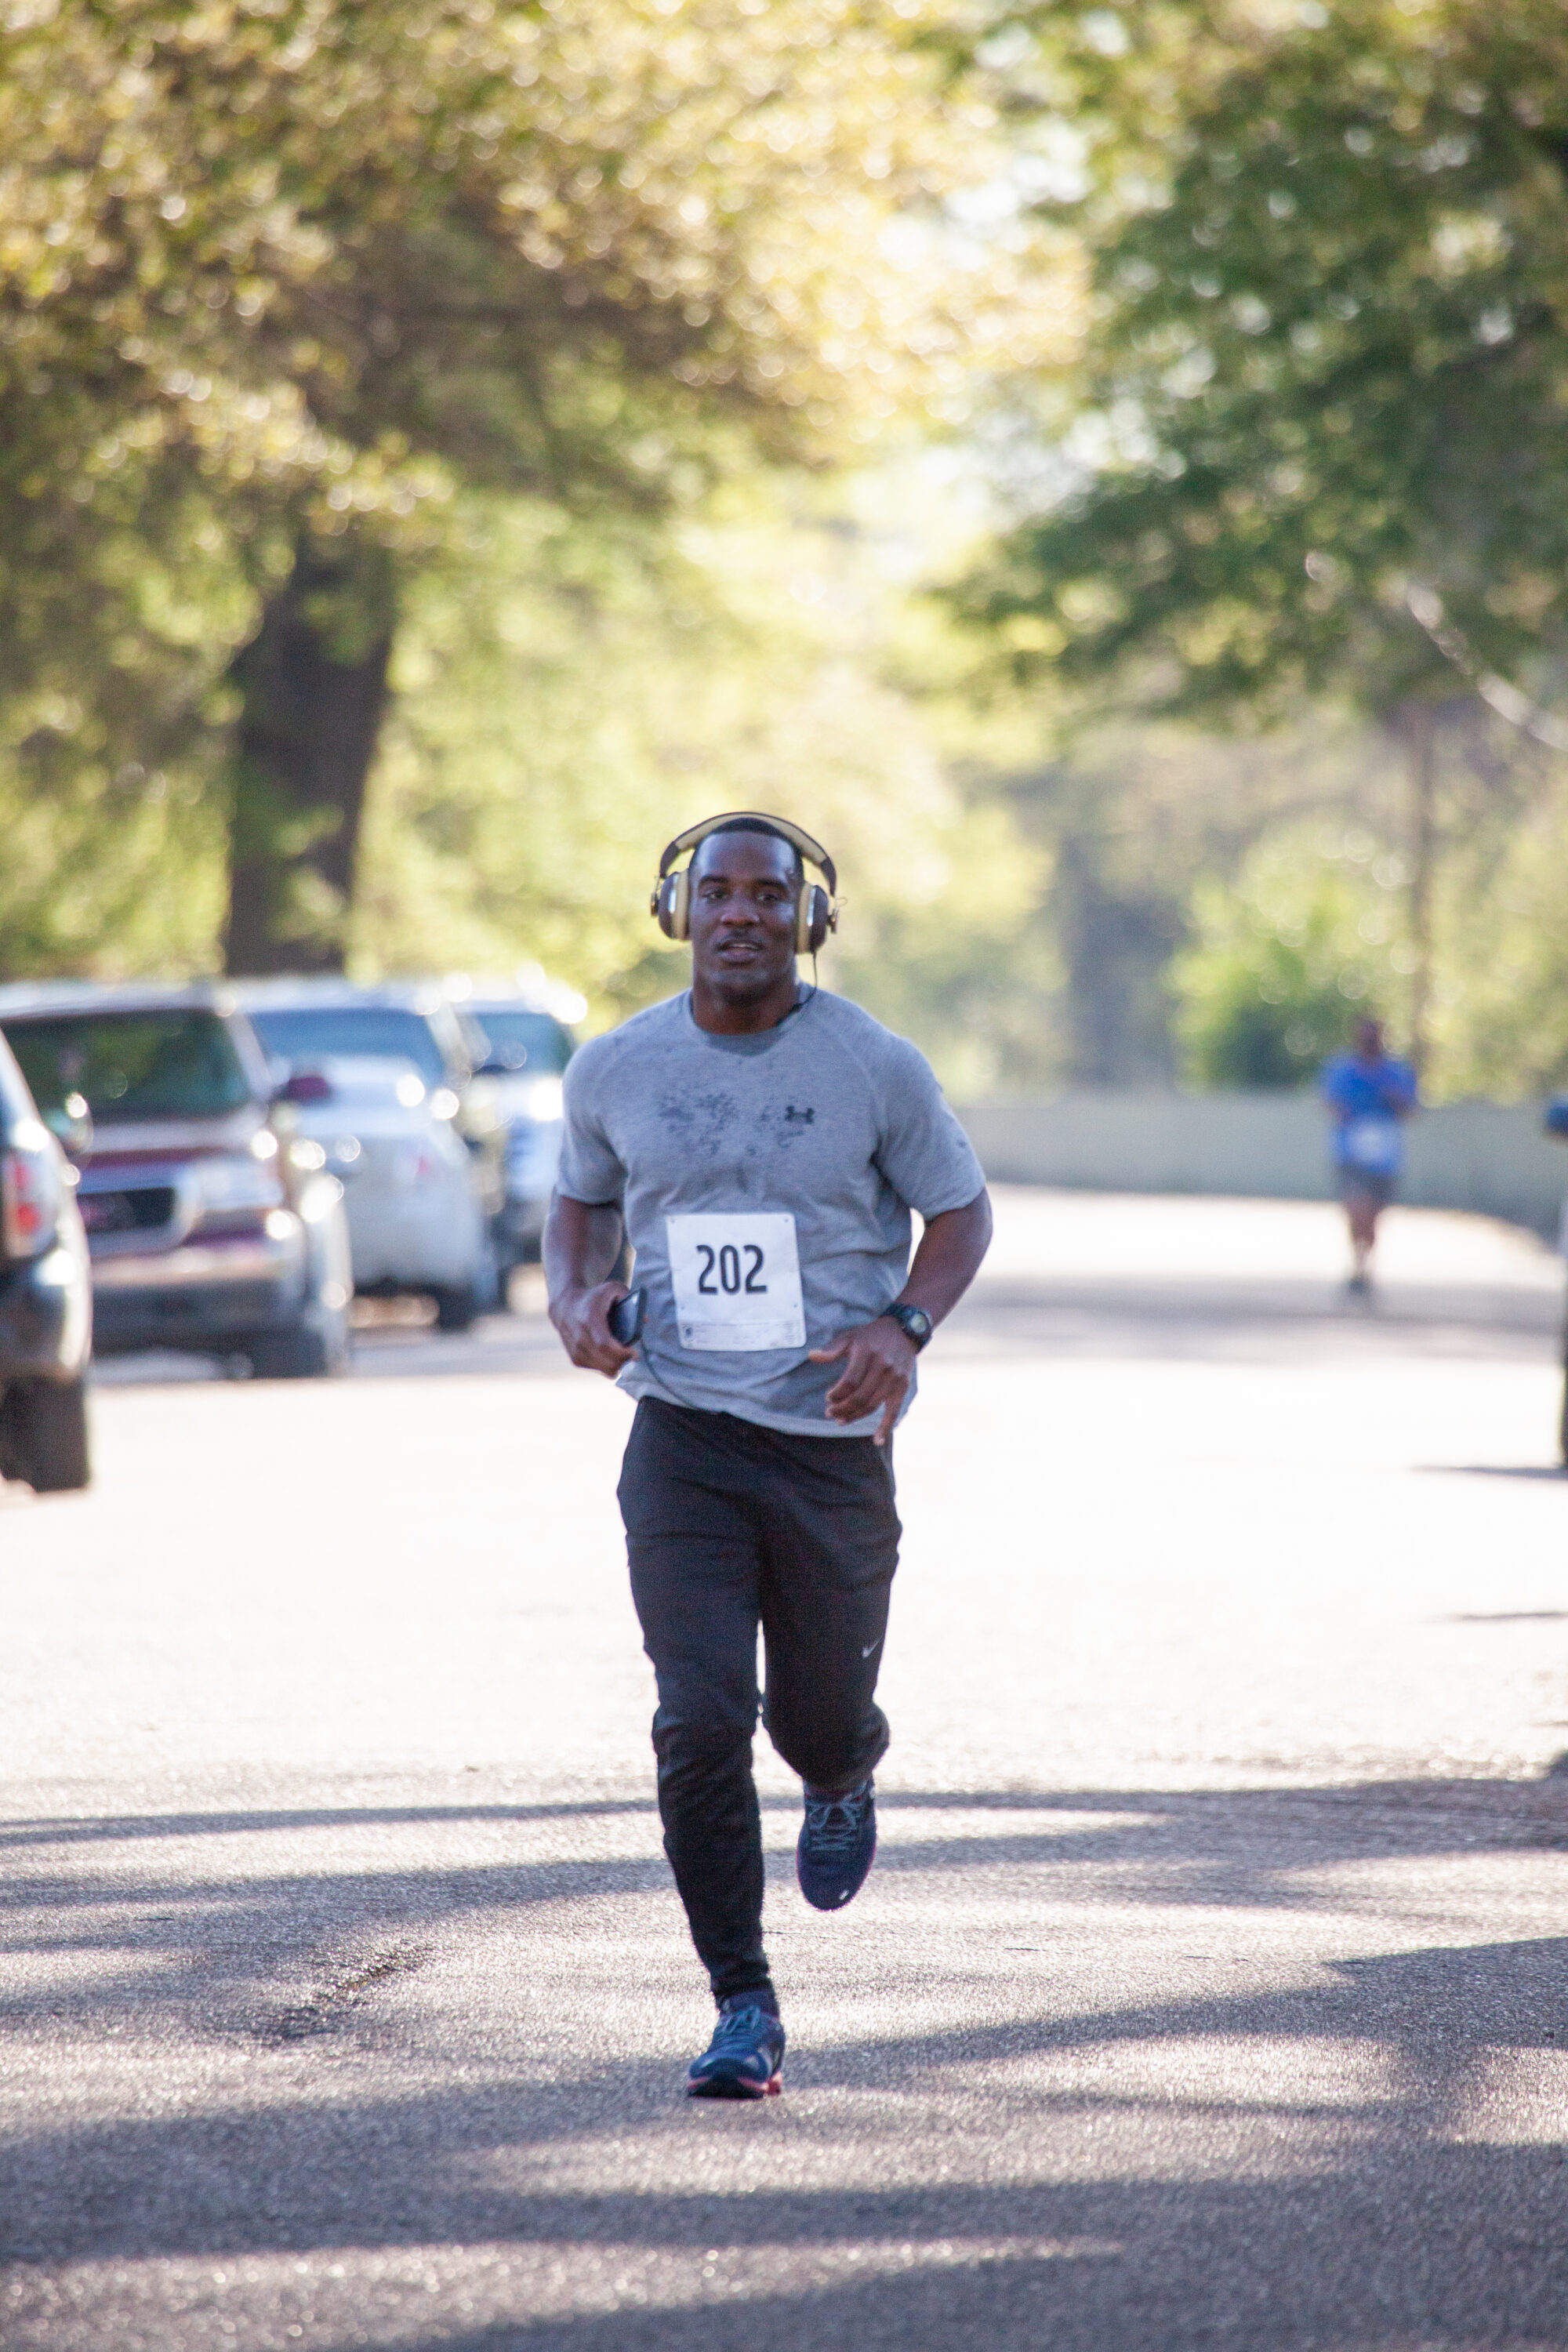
581,1318
582,1240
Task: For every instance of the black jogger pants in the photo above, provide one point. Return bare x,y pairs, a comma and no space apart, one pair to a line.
730,1526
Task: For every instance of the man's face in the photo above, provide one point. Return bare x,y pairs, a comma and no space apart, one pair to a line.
1369,1039
744,891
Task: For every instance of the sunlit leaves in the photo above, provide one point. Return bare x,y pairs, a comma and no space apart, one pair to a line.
274,265
309,206
1329,344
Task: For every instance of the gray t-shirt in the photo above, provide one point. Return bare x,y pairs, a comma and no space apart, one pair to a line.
828,1119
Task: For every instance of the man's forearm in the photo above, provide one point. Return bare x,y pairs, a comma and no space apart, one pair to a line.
949,1257
581,1245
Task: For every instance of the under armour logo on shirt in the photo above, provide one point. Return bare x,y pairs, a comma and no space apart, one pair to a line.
798,1118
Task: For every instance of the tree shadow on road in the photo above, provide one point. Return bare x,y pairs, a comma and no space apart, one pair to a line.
1386,2217
65,1829
182,1933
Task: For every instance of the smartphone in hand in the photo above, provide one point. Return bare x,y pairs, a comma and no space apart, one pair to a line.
627,1316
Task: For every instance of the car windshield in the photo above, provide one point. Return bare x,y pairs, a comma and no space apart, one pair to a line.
530,1041
131,1066
304,1032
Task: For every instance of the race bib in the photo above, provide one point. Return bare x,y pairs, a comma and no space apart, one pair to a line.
1372,1144
737,1281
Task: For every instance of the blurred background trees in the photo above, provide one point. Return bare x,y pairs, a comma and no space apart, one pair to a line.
282,280
1322,400
444,450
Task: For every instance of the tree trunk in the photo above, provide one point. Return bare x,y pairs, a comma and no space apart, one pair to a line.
313,687
1419,732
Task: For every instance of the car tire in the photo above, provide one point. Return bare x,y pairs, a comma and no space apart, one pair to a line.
503,1280
299,1353
521,1253
458,1308
43,1436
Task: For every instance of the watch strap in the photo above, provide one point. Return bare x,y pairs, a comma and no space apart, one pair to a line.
906,1317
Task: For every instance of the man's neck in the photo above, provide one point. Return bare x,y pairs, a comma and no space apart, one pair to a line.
723,1019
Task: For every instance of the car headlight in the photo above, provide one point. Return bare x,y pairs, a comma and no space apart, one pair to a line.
541,1100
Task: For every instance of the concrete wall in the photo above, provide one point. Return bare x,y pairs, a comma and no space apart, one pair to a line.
1477,1156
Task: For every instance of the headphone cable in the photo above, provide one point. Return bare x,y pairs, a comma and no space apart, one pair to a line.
802,1002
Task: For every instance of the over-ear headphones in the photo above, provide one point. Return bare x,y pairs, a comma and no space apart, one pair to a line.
817,914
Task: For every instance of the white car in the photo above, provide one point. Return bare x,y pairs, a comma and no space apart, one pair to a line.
518,1084
416,1222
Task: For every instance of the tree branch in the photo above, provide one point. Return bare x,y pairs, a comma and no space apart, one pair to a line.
1508,701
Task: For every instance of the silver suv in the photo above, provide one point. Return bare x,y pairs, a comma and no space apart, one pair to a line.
209,1228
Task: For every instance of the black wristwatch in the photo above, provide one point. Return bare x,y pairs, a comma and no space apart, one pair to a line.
913,1322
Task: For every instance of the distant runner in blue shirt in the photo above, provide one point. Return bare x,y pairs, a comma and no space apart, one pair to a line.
1369,1094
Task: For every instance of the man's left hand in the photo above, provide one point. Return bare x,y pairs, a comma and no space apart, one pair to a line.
878,1361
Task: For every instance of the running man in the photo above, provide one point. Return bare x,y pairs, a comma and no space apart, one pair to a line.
763,1145
1369,1094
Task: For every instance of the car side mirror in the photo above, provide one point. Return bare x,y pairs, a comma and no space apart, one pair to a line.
304,1086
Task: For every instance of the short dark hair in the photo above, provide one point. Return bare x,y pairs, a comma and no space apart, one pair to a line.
754,824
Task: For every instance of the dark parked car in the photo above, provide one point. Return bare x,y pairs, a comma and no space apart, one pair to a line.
210,1228
46,1297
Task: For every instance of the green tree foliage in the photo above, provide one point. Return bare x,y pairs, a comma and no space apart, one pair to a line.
1326,352
1282,960
276,275
1162,838
1134,817
1499,1009
1325,363
569,700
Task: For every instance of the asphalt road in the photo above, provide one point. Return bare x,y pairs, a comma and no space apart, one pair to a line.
1210,1990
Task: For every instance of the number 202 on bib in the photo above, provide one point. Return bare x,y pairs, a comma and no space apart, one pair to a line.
736,1281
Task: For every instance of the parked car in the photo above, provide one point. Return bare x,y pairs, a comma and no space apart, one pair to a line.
527,1049
1556,1123
46,1296
208,1230
299,1021
416,1220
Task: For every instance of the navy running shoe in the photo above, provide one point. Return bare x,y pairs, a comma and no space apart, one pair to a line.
743,2061
837,1847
